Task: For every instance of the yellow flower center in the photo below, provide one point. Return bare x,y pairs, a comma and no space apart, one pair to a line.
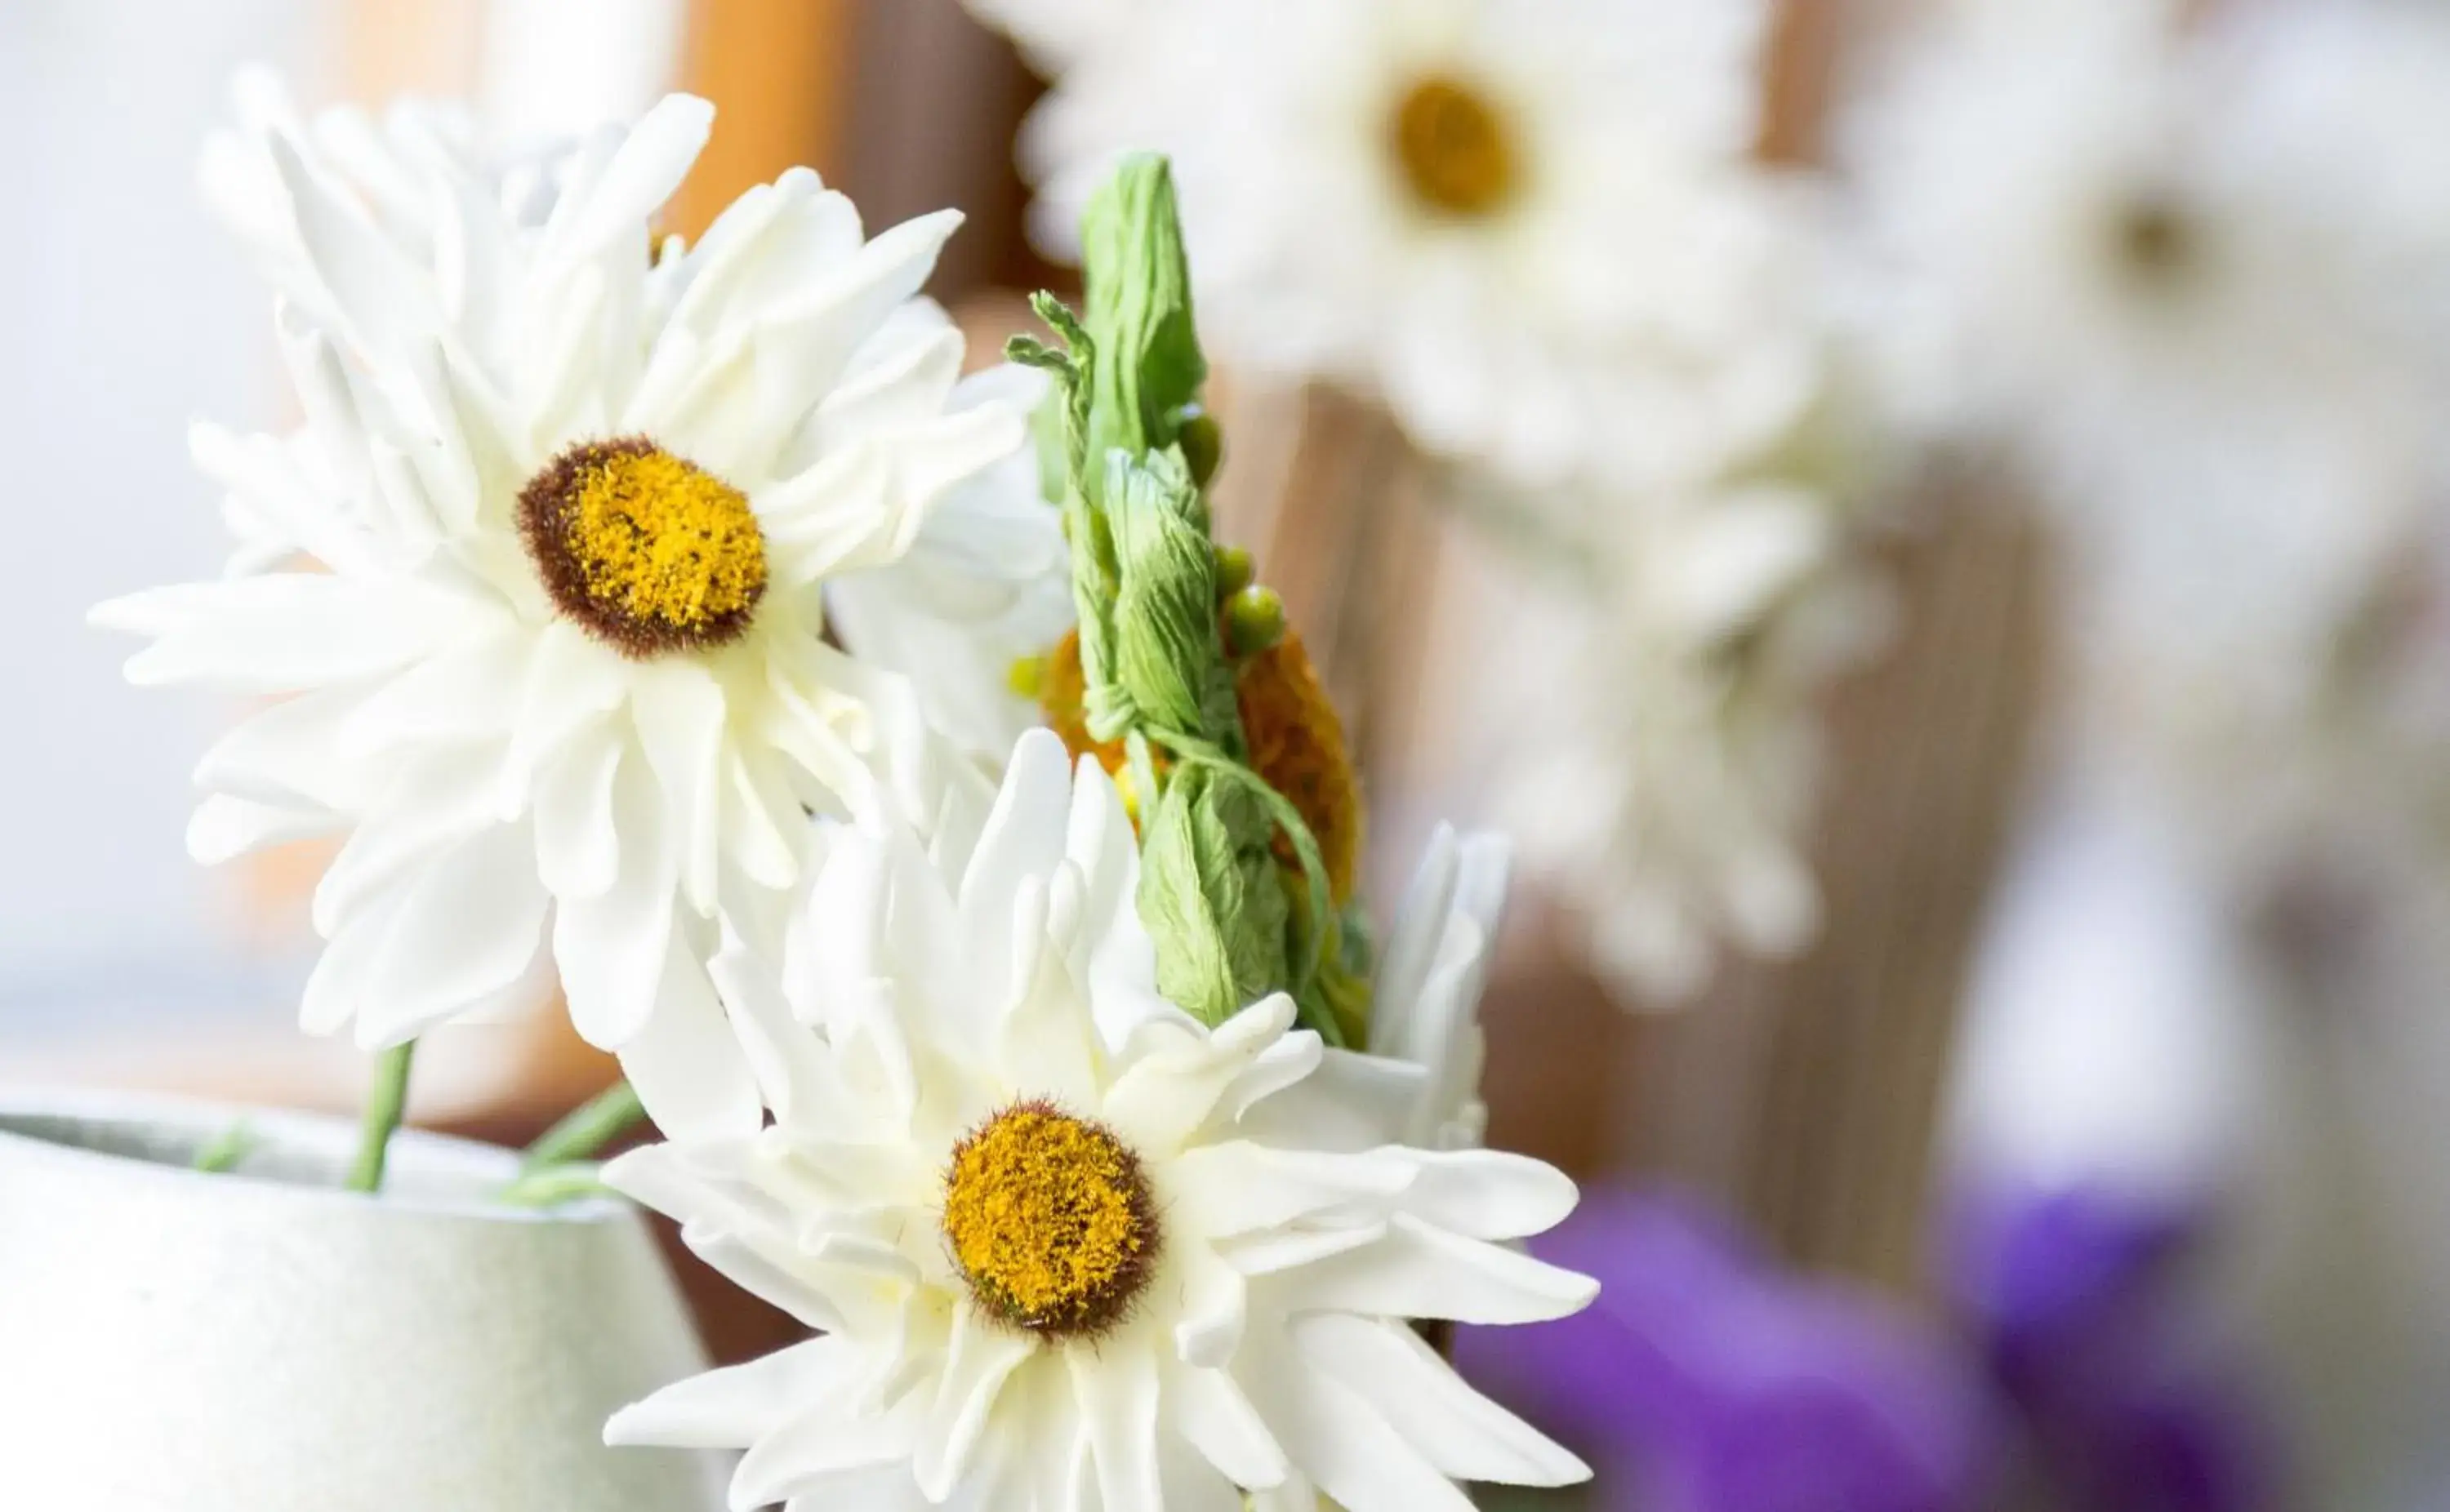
1051,1221
2155,240
1454,150
651,553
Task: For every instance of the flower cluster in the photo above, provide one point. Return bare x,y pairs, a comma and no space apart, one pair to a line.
644,614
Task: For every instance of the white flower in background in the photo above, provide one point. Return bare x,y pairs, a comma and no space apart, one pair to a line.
1065,1247
1670,788
1535,228
558,672
2141,251
1054,34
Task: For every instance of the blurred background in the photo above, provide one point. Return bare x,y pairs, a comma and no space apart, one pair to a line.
1942,561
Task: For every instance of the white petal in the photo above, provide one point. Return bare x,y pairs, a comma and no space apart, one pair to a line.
1330,1434
1208,1408
732,1408
1227,1190
1162,1097
469,689
611,948
1048,1042
680,711
225,827
432,804
577,848
800,1456
1452,1427
468,925
688,1070
1023,838
388,301
1489,1193
1411,947
289,755
981,1358
1116,1390
1295,1248
1347,1101
344,974
907,389
1417,1272
1210,1307
802,354
282,632
783,1055
571,683
651,163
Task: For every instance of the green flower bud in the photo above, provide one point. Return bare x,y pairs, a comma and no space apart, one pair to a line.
1202,441
1234,571
1254,620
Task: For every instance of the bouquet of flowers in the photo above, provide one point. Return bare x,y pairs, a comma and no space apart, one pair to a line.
667,621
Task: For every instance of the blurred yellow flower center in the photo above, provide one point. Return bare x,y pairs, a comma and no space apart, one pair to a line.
1455,151
1295,737
1051,1221
650,551
2156,240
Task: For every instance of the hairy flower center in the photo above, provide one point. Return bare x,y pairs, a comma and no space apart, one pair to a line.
1453,148
1051,1221
649,551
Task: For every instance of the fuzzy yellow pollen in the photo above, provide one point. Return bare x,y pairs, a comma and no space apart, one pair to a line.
1453,148
647,551
1050,1220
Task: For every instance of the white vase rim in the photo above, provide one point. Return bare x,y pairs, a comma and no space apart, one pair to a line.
300,1156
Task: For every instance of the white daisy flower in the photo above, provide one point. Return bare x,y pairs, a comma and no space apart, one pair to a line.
1535,228
1064,1247
1669,791
2133,247
561,677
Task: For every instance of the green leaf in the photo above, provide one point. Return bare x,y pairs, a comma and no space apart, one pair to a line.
1210,900
1149,368
1169,656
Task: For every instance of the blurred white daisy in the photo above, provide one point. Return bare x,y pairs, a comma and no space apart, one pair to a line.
1669,790
2139,249
1064,1247
573,506
1054,34
1535,228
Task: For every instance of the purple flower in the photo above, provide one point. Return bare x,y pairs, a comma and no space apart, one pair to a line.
2078,1298
1705,1380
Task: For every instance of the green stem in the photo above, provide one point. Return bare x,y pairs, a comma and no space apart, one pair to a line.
384,1106
551,1186
588,1129
227,1148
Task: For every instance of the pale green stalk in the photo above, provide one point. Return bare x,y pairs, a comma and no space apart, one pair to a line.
385,1105
586,1129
